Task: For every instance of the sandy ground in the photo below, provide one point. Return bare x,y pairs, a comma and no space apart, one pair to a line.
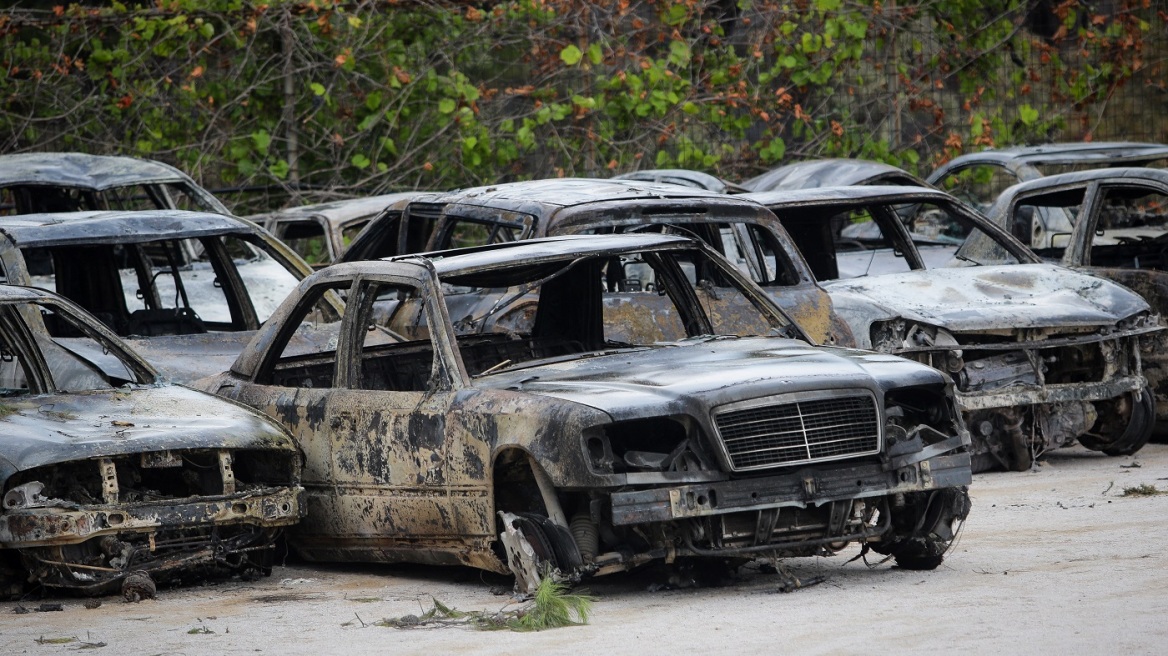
1056,560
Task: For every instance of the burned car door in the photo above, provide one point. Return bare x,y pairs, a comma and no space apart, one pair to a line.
381,431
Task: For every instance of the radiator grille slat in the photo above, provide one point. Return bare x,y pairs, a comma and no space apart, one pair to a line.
799,431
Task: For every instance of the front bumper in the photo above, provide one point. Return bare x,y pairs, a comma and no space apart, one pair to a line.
42,527
1038,395
802,488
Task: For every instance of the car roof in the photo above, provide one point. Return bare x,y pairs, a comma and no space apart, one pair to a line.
1089,175
684,177
847,195
827,173
568,192
531,250
118,227
1069,153
83,170
340,210
19,294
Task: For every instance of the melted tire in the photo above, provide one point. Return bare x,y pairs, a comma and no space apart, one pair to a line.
923,532
1138,430
1136,433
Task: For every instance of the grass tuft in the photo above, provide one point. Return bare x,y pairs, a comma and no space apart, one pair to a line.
1143,490
551,607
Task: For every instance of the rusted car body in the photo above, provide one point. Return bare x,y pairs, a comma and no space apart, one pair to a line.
740,230
72,182
1111,223
106,473
187,289
978,178
320,233
832,173
684,178
569,443
1041,355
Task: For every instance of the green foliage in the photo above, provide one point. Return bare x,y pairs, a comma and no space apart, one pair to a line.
552,606
444,94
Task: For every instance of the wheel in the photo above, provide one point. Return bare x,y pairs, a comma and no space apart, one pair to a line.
565,554
138,586
924,529
1137,414
529,552
12,576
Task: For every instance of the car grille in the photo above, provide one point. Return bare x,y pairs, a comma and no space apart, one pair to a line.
801,431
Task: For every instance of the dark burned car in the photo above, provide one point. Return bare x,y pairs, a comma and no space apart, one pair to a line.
978,178
1042,355
815,173
740,230
109,478
1111,223
320,233
75,182
684,178
560,440
187,289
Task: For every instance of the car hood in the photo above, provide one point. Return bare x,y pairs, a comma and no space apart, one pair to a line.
186,358
965,299
46,429
692,376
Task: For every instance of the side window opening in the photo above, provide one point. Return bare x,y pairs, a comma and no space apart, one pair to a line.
1131,230
384,360
307,238
978,185
304,352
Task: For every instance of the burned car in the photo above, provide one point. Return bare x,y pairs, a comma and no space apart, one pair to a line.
187,289
978,178
1041,355
832,173
570,444
109,478
320,233
1111,223
74,182
740,230
684,178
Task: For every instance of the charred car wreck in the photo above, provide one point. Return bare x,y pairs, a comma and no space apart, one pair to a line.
187,289
1111,223
111,479
742,231
553,439
1041,355
77,182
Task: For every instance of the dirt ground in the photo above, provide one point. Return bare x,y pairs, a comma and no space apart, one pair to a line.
1056,560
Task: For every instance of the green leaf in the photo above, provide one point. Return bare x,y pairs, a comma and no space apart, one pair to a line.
594,54
360,161
679,53
317,88
827,5
262,140
1027,114
280,169
676,15
446,105
207,30
571,55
